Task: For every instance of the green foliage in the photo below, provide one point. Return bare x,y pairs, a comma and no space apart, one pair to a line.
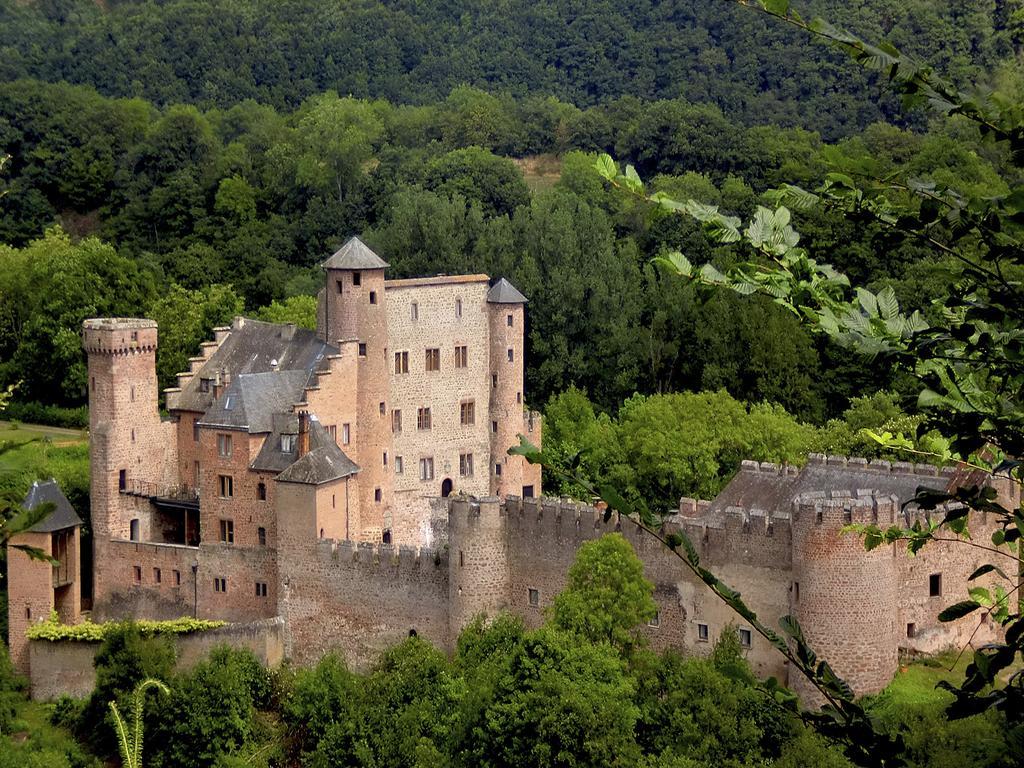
300,310
317,698
607,599
12,689
130,735
52,629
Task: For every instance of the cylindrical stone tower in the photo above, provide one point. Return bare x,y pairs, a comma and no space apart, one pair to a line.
505,310
844,597
478,580
354,308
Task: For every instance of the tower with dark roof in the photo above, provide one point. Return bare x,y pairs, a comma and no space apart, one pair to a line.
506,314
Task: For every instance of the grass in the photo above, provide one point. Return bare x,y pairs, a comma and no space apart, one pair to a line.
32,454
22,433
35,741
540,172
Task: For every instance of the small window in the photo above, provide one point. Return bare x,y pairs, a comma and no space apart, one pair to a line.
385,458
362,349
414,311
373,297
133,435
467,413
796,591
461,356
227,486
92,384
346,434
935,585
261,536
204,385
229,403
261,589
911,630
135,335
508,320
494,426
519,397
177,578
224,446
357,278
527,491
401,362
287,443
465,464
533,596
399,468
220,584
511,354
433,359
462,559
396,420
195,430
746,638
427,469
655,620
137,573
423,420
261,491
386,536
377,495
382,408
341,286
122,479
227,531
131,395
497,469
133,530
157,576
702,633
458,308
494,381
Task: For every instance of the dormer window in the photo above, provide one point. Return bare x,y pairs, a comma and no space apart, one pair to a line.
229,403
204,385
287,443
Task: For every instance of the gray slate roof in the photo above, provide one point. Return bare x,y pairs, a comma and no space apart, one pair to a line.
254,346
324,462
252,399
63,514
503,292
354,254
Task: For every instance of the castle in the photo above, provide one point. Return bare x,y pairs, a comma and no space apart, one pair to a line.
355,483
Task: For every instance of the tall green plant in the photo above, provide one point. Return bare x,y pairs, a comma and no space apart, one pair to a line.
129,737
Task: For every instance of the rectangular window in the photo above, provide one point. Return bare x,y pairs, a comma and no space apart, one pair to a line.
527,491
935,585
195,430
414,311
227,486
796,591
458,307
341,286
466,464
261,491
433,359
396,421
511,354
746,637
702,633
423,418
377,495
133,530
385,458
157,577
427,469
227,531
401,362
519,397
261,589
357,278
373,297
911,630
220,584
177,578
362,349
655,620
467,413
122,479
204,385
399,468
287,443
224,446
508,320
494,426
461,357
261,536
497,469
494,381
346,434
533,595
137,572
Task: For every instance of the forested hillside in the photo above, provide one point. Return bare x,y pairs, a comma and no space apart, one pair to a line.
280,52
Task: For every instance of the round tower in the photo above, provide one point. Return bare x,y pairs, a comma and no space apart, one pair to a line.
506,314
478,580
844,597
125,439
354,308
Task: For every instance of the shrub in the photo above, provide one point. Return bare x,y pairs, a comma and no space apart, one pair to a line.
51,415
53,630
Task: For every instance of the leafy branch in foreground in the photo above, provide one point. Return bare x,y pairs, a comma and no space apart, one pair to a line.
842,718
129,737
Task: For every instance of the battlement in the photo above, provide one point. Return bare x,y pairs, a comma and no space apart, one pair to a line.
557,517
769,467
840,508
879,465
119,335
384,558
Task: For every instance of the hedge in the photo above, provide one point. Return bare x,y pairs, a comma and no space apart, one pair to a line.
50,415
88,632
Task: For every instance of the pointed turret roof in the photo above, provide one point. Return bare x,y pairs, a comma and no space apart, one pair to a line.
503,292
63,514
354,254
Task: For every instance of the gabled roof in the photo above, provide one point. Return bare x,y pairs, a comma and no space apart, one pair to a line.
354,254
324,462
252,399
254,346
63,514
503,292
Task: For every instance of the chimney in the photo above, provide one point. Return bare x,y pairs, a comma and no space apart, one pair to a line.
303,441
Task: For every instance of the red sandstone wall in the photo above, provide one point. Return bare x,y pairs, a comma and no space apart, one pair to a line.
30,594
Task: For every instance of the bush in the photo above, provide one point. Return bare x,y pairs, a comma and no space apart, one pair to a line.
318,697
51,415
12,688
53,630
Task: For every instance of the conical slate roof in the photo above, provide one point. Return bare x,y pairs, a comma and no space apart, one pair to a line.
354,254
63,514
503,292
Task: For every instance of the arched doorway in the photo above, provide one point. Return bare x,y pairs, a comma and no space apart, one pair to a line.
446,487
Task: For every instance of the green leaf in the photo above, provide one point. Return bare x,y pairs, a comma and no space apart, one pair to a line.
606,167
631,180
987,568
958,610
